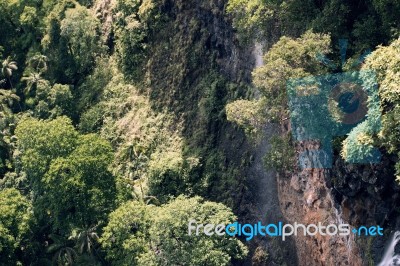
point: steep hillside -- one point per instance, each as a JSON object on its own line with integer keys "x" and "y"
{"x": 127, "y": 125}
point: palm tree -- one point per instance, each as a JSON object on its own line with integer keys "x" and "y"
{"x": 134, "y": 172}
{"x": 7, "y": 97}
{"x": 86, "y": 243}
{"x": 38, "y": 63}
{"x": 7, "y": 69}
{"x": 32, "y": 80}
{"x": 85, "y": 239}
{"x": 63, "y": 254}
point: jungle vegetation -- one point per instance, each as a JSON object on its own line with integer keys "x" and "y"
{"x": 109, "y": 128}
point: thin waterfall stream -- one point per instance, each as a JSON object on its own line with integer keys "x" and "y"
{"x": 389, "y": 257}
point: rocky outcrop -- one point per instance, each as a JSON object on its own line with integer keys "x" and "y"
{"x": 368, "y": 195}
{"x": 352, "y": 194}
{"x": 305, "y": 198}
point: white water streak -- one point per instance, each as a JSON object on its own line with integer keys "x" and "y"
{"x": 348, "y": 240}
{"x": 390, "y": 258}
{"x": 258, "y": 54}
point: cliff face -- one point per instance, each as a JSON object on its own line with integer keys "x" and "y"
{"x": 359, "y": 195}
{"x": 195, "y": 66}
{"x": 367, "y": 195}
{"x": 305, "y": 198}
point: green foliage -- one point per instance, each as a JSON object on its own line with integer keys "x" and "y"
{"x": 126, "y": 237}
{"x": 359, "y": 145}
{"x": 9, "y": 102}
{"x": 194, "y": 90}
{"x": 133, "y": 19}
{"x": 29, "y": 17}
{"x": 390, "y": 133}
{"x": 63, "y": 254}
{"x": 80, "y": 248}
{"x": 179, "y": 247}
{"x": 19, "y": 25}
{"x": 81, "y": 32}
{"x": 8, "y": 98}
{"x": 333, "y": 18}
{"x": 86, "y": 240}
{"x": 41, "y": 142}
{"x": 267, "y": 20}
{"x": 91, "y": 91}
{"x": 7, "y": 144}
{"x": 8, "y": 67}
{"x": 365, "y": 24}
{"x": 250, "y": 16}
{"x": 50, "y": 101}
{"x": 247, "y": 114}
{"x": 388, "y": 11}
{"x": 288, "y": 58}
{"x": 72, "y": 41}
{"x": 148, "y": 235}
{"x": 281, "y": 155}
{"x": 92, "y": 120}
{"x": 160, "y": 141}
{"x": 385, "y": 62}
{"x": 166, "y": 175}
{"x": 68, "y": 172}
{"x": 36, "y": 67}
{"x": 149, "y": 149}
{"x": 80, "y": 189}
{"x": 398, "y": 169}
{"x": 15, "y": 217}
{"x": 170, "y": 172}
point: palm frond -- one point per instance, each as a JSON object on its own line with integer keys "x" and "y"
{"x": 7, "y": 67}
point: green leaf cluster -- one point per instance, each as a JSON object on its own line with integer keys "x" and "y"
{"x": 150, "y": 235}
{"x": 15, "y": 224}
{"x": 69, "y": 173}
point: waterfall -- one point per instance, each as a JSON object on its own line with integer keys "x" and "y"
{"x": 258, "y": 54}
{"x": 259, "y": 62}
{"x": 389, "y": 258}
{"x": 348, "y": 240}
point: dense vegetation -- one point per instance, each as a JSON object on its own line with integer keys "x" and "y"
{"x": 91, "y": 171}
{"x": 110, "y": 119}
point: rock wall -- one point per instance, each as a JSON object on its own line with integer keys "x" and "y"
{"x": 353, "y": 194}
{"x": 305, "y": 198}
{"x": 368, "y": 195}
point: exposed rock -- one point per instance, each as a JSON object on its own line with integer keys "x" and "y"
{"x": 319, "y": 207}
{"x": 295, "y": 183}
